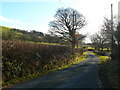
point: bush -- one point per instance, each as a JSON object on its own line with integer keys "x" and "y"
{"x": 21, "y": 59}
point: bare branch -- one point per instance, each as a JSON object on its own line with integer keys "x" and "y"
{"x": 67, "y": 22}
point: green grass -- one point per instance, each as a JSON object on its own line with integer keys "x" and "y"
{"x": 7, "y": 34}
{"x": 104, "y": 59}
{"x": 104, "y": 49}
{"x": 49, "y": 43}
{"x": 90, "y": 48}
{"x": 4, "y": 29}
{"x": 43, "y": 43}
{"x": 18, "y": 33}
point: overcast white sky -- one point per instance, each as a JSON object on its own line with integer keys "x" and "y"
{"x": 36, "y": 15}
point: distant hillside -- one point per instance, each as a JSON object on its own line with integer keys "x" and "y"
{"x": 17, "y": 34}
{"x": 34, "y": 36}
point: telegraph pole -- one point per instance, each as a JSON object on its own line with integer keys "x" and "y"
{"x": 112, "y": 40}
{"x": 118, "y": 27}
{"x": 119, "y": 12}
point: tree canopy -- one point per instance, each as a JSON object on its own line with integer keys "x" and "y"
{"x": 66, "y": 24}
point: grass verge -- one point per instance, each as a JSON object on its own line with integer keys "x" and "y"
{"x": 108, "y": 72}
{"x": 104, "y": 59}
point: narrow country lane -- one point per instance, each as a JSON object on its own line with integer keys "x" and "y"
{"x": 81, "y": 75}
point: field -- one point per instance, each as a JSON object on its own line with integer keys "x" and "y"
{"x": 17, "y": 34}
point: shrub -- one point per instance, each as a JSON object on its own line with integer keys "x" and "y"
{"x": 21, "y": 59}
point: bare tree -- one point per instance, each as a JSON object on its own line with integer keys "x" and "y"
{"x": 103, "y": 38}
{"x": 67, "y": 22}
{"x": 106, "y": 29}
{"x": 99, "y": 40}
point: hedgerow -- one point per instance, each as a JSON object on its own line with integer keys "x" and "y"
{"x": 21, "y": 59}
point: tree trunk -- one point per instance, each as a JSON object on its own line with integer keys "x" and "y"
{"x": 77, "y": 44}
{"x": 73, "y": 47}
{"x": 73, "y": 44}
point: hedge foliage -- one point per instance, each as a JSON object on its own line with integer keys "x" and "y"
{"x": 21, "y": 59}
